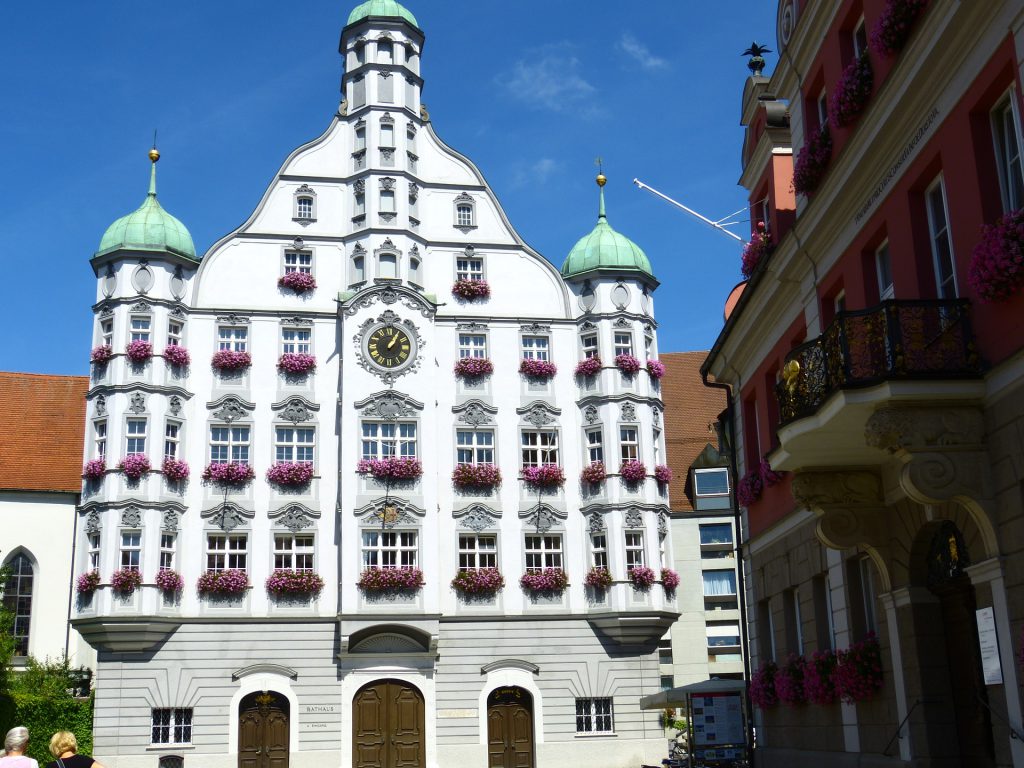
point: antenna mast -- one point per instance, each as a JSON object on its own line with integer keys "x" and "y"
{"x": 720, "y": 225}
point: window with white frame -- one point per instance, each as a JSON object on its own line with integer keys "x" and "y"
{"x": 296, "y": 341}
{"x": 467, "y": 268}
{"x": 599, "y": 550}
{"x": 543, "y": 552}
{"x": 719, "y": 583}
{"x": 135, "y": 436}
{"x": 656, "y": 444}
{"x": 304, "y": 207}
{"x": 623, "y": 343}
{"x": 383, "y": 439}
{"x": 860, "y": 39}
{"x": 634, "y": 550}
{"x": 131, "y": 550}
{"x": 172, "y": 439}
{"x": 942, "y": 246}
{"x": 464, "y": 214}
{"x": 389, "y": 549}
{"x": 99, "y": 438}
{"x": 293, "y": 552}
{"x": 294, "y": 444}
{"x": 539, "y": 446}
{"x": 229, "y": 444}
{"x": 227, "y": 552}
{"x": 93, "y": 554}
{"x": 716, "y": 533}
{"x": 589, "y": 343}
{"x": 723, "y": 636}
{"x": 629, "y": 443}
{"x": 141, "y": 327}
{"x": 385, "y": 52}
{"x": 474, "y": 446}
{"x": 298, "y": 261}
{"x": 595, "y": 445}
{"x": 883, "y": 271}
{"x": 477, "y": 551}
{"x": 536, "y": 348}
{"x": 172, "y": 726}
{"x": 233, "y": 338}
{"x": 107, "y": 332}
{"x": 1006, "y": 129}
{"x": 472, "y": 345}
{"x": 168, "y": 546}
{"x": 594, "y": 715}
{"x": 174, "y": 332}
{"x": 711, "y": 482}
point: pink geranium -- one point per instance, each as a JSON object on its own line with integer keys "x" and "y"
{"x": 228, "y": 473}
{"x": 769, "y": 476}
{"x": 589, "y": 367}
{"x": 169, "y": 581}
{"x": 750, "y": 488}
{"x": 663, "y": 474}
{"x": 853, "y": 90}
{"x": 300, "y": 282}
{"x": 642, "y": 576}
{"x": 633, "y": 471}
{"x": 87, "y": 583}
{"x": 544, "y": 476}
{"x": 138, "y": 351}
{"x": 762, "y": 686}
{"x": 473, "y": 367}
{"x": 177, "y": 355}
{"x": 125, "y": 581}
{"x": 669, "y": 579}
{"x": 288, "y": 582}
{"x": 997, "y": 261}
{"x": 102, "y": 354}
{"x": 819, "y": 673}
{"x": 656, "y": 369}
{"x": 476, "y": 476}
{"x": 537, "y": 369}
{"x": 471, "y": 289}
{"x": 94, "y": 469}
{"x": 598, "y": 578}
{"x": 134, "y": 465}
{"x": 229, "y": 360}
{"x": 296, "y": 363}
{"x": 544, "y": 580}
{"x": 756, "y": 250}
{"x": 375, "y": 579}
{"x": 858, "y": 673}
{"x": 231, "y": 582}
{"x": 812, "y": 162}
{"x": 594, "y": 472}
{"x": 628, "y": 364}
{"x": 175, "y": 470}
{"x": 478, "y": 581}
{"x": 789, "y": 681}
{"x": 893, "y": 27}
{"x": 391, "y": 468}
{"x": 291, "y": 474}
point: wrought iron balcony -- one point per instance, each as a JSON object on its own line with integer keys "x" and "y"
{"x": 896, "y": 340}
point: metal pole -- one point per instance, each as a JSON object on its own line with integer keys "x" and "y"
{"x": 705, "y": 219}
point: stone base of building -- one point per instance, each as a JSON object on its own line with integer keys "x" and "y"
{"x": 768, "y": 757}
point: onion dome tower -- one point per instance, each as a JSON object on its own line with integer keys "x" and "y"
{"x": 381, "y": 9}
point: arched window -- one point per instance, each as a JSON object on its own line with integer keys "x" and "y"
{"x": 305, "y": 204}
{"x": 18, "y": 600}
{"x": 465, "y": 213}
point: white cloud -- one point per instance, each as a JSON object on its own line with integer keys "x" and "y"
{"x": 536, "y": 173}
{"x": 549, "y": 79}
{"x": 640, "y": 53}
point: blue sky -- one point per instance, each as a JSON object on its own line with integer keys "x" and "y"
{"x": 531, "y": 90}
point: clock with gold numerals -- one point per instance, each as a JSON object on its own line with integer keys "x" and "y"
{"x": 389, "y": 347}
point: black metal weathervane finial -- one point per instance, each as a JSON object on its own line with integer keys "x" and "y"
{"x": 756, "y": 53}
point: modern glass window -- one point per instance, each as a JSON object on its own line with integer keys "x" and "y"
{"x": 543, "y": 552}
{"x": 719, "y": 583}
{"x": 229, "y": 444}
{"x": 131, "y": 549}
{"x": 298, "y": 261}
{"x": 883, "y": 270}
{"x": 589, "y": 343}
{"x": 294, "y": 444}
{"x": 293, "y": 552}
{"x": 469, "y": 269}
{"x": 168, "y": 542}
{"x": 383, "y": 439}
{"x": 464, "y": 215}
{"x": 135, "y": 437}
{"x": 634, "y": 550}
{"x": 296, "y": 340}
{"x": 595, "y": 445}
{"x": 629, "y": 443}
{"x": 226, "y": 552}
{"x": 539, "y": 446}
{"x": 141, "y": 327}
{"x": 594, "y": 715}
{"x": 599, "y": 550}
{"x": 304, "y": 208}
{"x": 93, "y": 554}
{"x": 474, "y": 446}
{"x": 711, "y": 482}
{"x": 172, "y": 726}
{"x": 389, "y": 549}
{"x": 723, "y": 635}
{"x": 536, "y": 347}
{"x": 107, "y": 332}
{"x": 174, "y": 330}
{"x": 233, "y": 338}
{"x": 477, "y": 551}
{"x": 716, "y": 533}
{"x": 99, "y": 437}
{"x": 472, "y": 345}
{"x": 1006, "y": 128}
{"x": 623, "y": 343}
{"x": 17, "y": 599}
{"x": 942, "y": 246}
{"x": 172, "y": 439}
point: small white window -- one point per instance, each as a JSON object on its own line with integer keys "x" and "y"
{"x": 942, "y": 246}
{"x": 594, "y": 715}
{"x": 536, "y": 348}
{"x": 389, "y": 549}
{"x": 172, "y": 439}
{"x": 477, "y": 551}
{"x": 472, "y": 345}
{"x": 387, "y": 135}
{"x": 99, "y": 432}
{"x": 595, "y": 445}
{"x": 387, "y": 266}
{"x": 131, "y": 550}
{"x": 387, "y": 201}
{"x": 589, "y": 343}
{"x": 107, "y": 332}
{"x": 860, "y": 39}
{"x": 141, "y": 326}
{"x": 229, "y": 444}
{"x": 623, "y": 343}
{"x": 297, "y": 341}
{"x": 298, "y": 261}
{"x": 539, "y": 447}
{"x": 233, "y": 338}
{"x": 304, "y": 208}
{"x": 94, "y": 551}
{"x": 1006, "y": 128}
{"x": 629, "y": 444}
{"x": 135, "y": 438}
{"x": 172, "y": 726}
{"x": 469, "y": 268}
{"x": 168, "y": 542}
{"x": 634, "y": 550}
{"x": 464, "y": 215}
{"x": 883, "y": 270}
{"x": 294, "y": 444}
{"x": 599, "y": 550}
{"x": 543, "y": 552}
{"x": 293, "y": 552}
{"x": 227, "y": 552}
{"x": 711, "y": 482}
{"x": 174, "y": 330}
{"x": 475, "y": 446}
{"x": 380, "y": 440}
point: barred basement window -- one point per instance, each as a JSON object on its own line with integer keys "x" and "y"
{"x": 172, "y": 726}
{"x": 594, "y": 715}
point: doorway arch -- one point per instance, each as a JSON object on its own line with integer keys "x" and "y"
{"x": 388, "y": 726}
{"x": 263, "y": 730}
{"x": 510, "y": 737}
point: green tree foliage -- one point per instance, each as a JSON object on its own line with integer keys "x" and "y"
{"x": 7, "y": 643}
{"x": 44, "y": 715}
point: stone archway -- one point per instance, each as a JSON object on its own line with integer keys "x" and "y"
{"x": 510, "y": 738}
{"x": 388, "y": 726}
{"x": 263, "y": 730}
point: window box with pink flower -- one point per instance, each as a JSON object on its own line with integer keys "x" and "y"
{"x": 228, "y": 583}
{"x": 598, "y": 578}
{"x": 391, "y": 468}
{"x": 169, "y": 581}
{"x": 789, "y": 681}
{"x": 544, "y": 580}
{"x": 229, "y": 361}
{"x": 138, "y": 351}
{"x": 544, "y": 476}
{"x": 228, "y": 473}
{"x": 288, "y": 583}
{"x": 756, "y": 251}
{"x": 101, "y": 355}
{"x": 296, "y": 363}
{"x": 996, "y": 272}
{"x": 478, "y": 582}
{"x": 852, "y": 92}
{"x": 538, "y": 369}
{"x": 591, "y": 366}
{"x": 125, "y": 581}
{"x": 473, "y": 367}
{"x": 177, "y": 356}
{"x": 290, "y": 474}
{"x": 663, "y": 474}
{"x": 94, "y": 469}
{"x": 469, "y": 290}
{"x": 628, "y": 364}
{"x": 655, "y": 369}
{"x": 858, "y": 672}
{"x": 594, "y": 472}
{"x": 633, "y": 471}
{"x": 812, "y": 162}
{"x": 175, "y": 470}
{"x": 134, "y": 466}
{"x": 376, "y": 580}
{"x": 669, "y": 579}
{"x": 819, "y": 674}
{"x": 300, "y": 282}
{"x": 894, "y": 25}
{"x": 762, "y": 686}
{"x": 476, "y": 476}
{"x": 88, "y": 582}
{"x": 642, "y": 577}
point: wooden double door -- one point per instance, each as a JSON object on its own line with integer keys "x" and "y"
{"x": 263, "y": 731}
{"x": 509, "y": 728}
{"x": 388, "y": 726}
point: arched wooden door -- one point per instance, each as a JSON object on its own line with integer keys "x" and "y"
{"x": 388, "y": 726}
{"x": 510, "y": 728}
{"x": 263, "y": 731}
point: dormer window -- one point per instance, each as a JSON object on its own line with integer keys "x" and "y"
{"x": 465, "y": 211}
{"x": 711, "y": 488}
{"x": 305, "y": 204}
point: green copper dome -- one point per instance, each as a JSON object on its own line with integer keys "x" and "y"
{"x": 150, "y": 228}
{"x": 381, "y": 8}
{"x": 604, "y": 248}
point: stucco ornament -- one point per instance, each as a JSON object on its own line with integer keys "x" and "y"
{"x": 535, "y": 328}
{"x": 849, "y": 506}
{"x": 475, "y": 413}
{"x": 542, "y": 517}
{"x": 231, "y": 409}
{"x": 296, "y": 410}
{"x": 595, "y": 523}
{"x": 174, "y": 405}
{"x": 131, "y": 517}
{"x": 634, "y": 518}
{"x": 142, "y": 278}
{"x": 389, "y": 294}
{"x": 590, "y": 414}
{"x": 169, "y": 521}
{"x": 137, "y": 403}
{"x": 662, "y": 524}
{"x": 389, "y": 406}
{"x": 101, "y": 406}
{"x": 228, "y": 516}
{"x": 478, "y": 517}
{"x": 295, "y": 517}
{"x": 628, "y": 412}
{"x": 539, "y": 413}
{"x": 93, "y": 522}
{"x": 388, "y": 512}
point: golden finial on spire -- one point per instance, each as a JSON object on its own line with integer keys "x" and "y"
{"x": 601, "y": 178}
{"x": 154, "y": 154}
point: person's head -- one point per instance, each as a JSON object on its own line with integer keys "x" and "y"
{"x": 16, "y": 739}
{"x": 61, "y": 742}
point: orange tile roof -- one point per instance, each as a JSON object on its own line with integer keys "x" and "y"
{"x": 42, "y": 424}
{"x": 691, "y": 411}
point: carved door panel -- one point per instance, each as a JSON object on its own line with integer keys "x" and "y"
{"x": 406, "y": 725}
{"x": 275, "y": 739}
{"x": 522, "y": 737}
{"x": 369, "y": 723}
{"x": 509, "y": 729}
{"x": 497, "y": 739}
{"x": 250, "y": 733}
{"x": 263, "y": 731}
{"x": 388, "y": 727}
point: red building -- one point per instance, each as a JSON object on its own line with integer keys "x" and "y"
{"x": 875, "y": 358}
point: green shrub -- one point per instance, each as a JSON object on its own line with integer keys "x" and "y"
{"x": 45, "y": 715}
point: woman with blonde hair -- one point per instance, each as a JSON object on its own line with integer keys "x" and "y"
{"x": 64, "y": 746}
{"x": 14, "y": 746}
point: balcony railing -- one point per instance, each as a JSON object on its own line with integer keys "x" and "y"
{"x": 896, "y": 340}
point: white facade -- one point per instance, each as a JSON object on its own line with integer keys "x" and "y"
{"x": 385, "y": 213}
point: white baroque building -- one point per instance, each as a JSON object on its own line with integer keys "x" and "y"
{"x": 385, "y": 218}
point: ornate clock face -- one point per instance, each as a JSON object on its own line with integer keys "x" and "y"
{"x": 390, "y": 347}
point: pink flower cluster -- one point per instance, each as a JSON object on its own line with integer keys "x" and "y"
{"x": 94, "y": 469}
{"x": 633, "y": 471}
{"x": 755, "y": 251}
{"x": 819, "y": 673}
{"x": 853, "y": 90}
{"x": 642, "y": 577}
{"x": 125, "y": 581}
{"x": 177, "y": 355}
{"x": 391, "y": 468}
{"x": 175, "y": 470}
{"x": 669, "y": 579}
{"x": 478, "y": 581}
{"x": 231, "y": 473}
{"x": 762, "y": 686}
{"x": 656, "y": 369}
{"x": 296, "y": 363}
{"x": 232, "y": 582}
{"x": 476, "y": 476}
{"x": 102, "y": 354}
{"x": 286, "y": 582}
{"x": 812, "y": 162}
{"x": 997, "y": 261}
{"x": 229, "y": 360}
{"x": 893, "y": 27}
{"x": 290, "y": 474}
{"x": 300, "y": 282}
{"x": 589, "y": 367}
{"x": 598, "y": 578}
{"x": 663, "y": 474}
{"x": 594, "y": 472}
{"x": 471, "y": 289}
{"x": 627, "y": 364}
{"x": 87, "y": 582}
{"x": 538, "y": 369}
{"x": 138, "y": 351}
{"x": 545, "y": 580}
{"x": 390, "y": 579}
{"x": 134, "y": 465}
{"x": 169, "y": 581}
{"x": 789, "y": 681}
{"x": 472, "y": 367}
{"x": 544, "y": 476}
{"x": 752, "y": 485}
{"x": 858, "y": 672}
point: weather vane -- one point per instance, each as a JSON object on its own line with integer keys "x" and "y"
{"x": 756, "y": 53}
